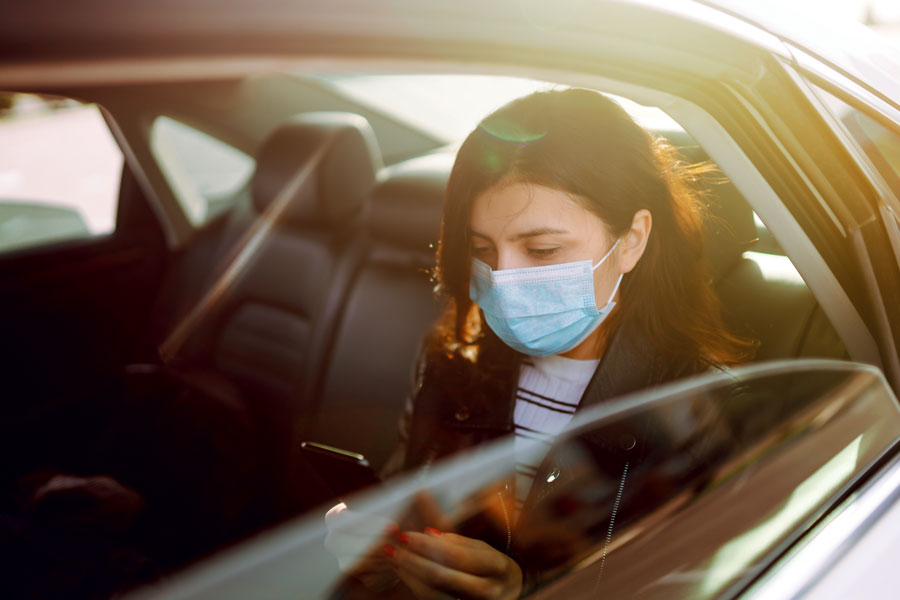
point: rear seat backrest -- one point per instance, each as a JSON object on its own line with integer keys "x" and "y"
{"x": 390, "y": 308}
{"x": 281, "y": 314}
{"x": 271, "y": 332}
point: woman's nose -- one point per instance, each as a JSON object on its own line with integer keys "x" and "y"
{"x": 503, "y": 260}
{"x": 508, "y": 260}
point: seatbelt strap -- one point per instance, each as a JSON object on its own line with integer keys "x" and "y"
{"x": 244, "y": 251}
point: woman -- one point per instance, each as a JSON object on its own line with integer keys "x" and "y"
{"x": 571, "y": 252}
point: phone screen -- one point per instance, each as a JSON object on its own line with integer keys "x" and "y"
{"x": 344, "y": 471}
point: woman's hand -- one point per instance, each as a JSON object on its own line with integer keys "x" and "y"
{"x": 437, "y": 565}
{"x": 355, "y": 540}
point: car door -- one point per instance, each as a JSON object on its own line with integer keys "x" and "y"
{"x": 81, "y": 254}
{"x": 702, "y": 485}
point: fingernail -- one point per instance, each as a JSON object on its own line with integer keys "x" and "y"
{"x": 403, "y": 538}
{"x": 389, "y": 550}
{"x": 391, "y": 529}
{"x": 432, "y": 531}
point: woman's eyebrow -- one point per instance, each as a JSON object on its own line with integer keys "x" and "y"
{"x": 536, "y": 232}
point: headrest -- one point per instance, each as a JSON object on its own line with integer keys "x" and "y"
{"x": 340, "y": 183}
{"x": 730, "y": 228}
{"x": 407, "y": 202}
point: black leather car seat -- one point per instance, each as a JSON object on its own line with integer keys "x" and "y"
{"x": 281, "y": 314}
{"x": 269, "y": 333}
{"x": 388, "y": 311}
{"x": 763, "y": 296}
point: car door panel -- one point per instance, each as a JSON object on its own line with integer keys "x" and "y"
{"x": 72, "y": 313}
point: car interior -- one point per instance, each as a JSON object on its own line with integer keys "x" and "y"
{"x": 293, "y": 312}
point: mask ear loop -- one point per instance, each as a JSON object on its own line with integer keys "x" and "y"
{"x": 605, "y": 256}
{"x": 615, "y": 289}
{"x": 621, "y": 275}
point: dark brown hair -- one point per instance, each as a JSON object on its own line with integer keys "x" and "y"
{"x": 585, "y": 144}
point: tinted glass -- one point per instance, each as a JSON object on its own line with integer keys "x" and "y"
{"x": 450, "y": 106}
{"x": 686, "y": 491}
{"x": 711, "y": 485}
{"x": 60, "y": 170}
{"x": 204, "y": 172}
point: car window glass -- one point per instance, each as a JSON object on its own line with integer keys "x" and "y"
{"x": 714, "y": 482}
{"x": 686, "y": 491}
{"x": 60, "y": 171}
{"x": 205, "y": 174}
{"x": 449, "y": 106}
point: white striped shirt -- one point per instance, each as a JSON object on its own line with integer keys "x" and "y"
{"x": 548, "y": 393}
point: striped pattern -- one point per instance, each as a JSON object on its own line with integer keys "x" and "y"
{"x": 548, "y": 394}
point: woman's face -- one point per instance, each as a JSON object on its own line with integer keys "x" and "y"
{"x": 526, "y": 225}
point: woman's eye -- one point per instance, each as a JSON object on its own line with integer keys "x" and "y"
{"x": 542, "y": 252}
{"x": 481, "y": 250}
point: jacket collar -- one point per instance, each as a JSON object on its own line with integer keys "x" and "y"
{"x": 628, "y": 365}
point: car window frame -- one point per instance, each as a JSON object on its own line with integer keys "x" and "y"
{"x": 736, "y": 153}
{"x": 877, "y": 277}
{"x": 827, "y": 543}
{"x": 731, "y": 156}
{"x": 858, "y": 99}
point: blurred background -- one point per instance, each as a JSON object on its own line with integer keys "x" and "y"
{"x": 883, "y": 16}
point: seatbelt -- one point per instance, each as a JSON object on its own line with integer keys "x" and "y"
{"x": 242, "y": 254}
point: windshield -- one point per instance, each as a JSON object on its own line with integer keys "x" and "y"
{"x": 686, "y": 491}
{"x": 448, "y": 107}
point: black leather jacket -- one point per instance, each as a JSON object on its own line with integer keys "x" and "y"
{"x": 435, "y": 425}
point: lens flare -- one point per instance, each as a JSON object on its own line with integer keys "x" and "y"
{"x": 509, "y": 132}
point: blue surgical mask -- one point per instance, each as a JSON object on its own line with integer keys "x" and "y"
{"x": 541, "y": 311}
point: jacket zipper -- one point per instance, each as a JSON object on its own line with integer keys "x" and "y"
{"x": 506, "y": 519}
{"x": 612, "y": 521}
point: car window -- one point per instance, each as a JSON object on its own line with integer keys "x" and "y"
{"x": 449, "y": 106}
{"x": 205, "y": 174}
{"x": 60, "y": 171}
{"x": 686, "y": 491}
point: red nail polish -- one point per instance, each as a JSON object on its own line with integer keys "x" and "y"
{"x": 403, "y": 538}
{"x": 432, "y": 531}
{"x": 389, "y": 550}
{"x": 391, "y": 529}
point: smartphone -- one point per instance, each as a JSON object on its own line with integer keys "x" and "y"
{"x": 344, "y": 471}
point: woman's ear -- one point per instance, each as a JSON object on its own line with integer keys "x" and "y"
{"x": 635, "y": 240}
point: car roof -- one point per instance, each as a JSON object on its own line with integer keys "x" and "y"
{"x": 500, "y": 31}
